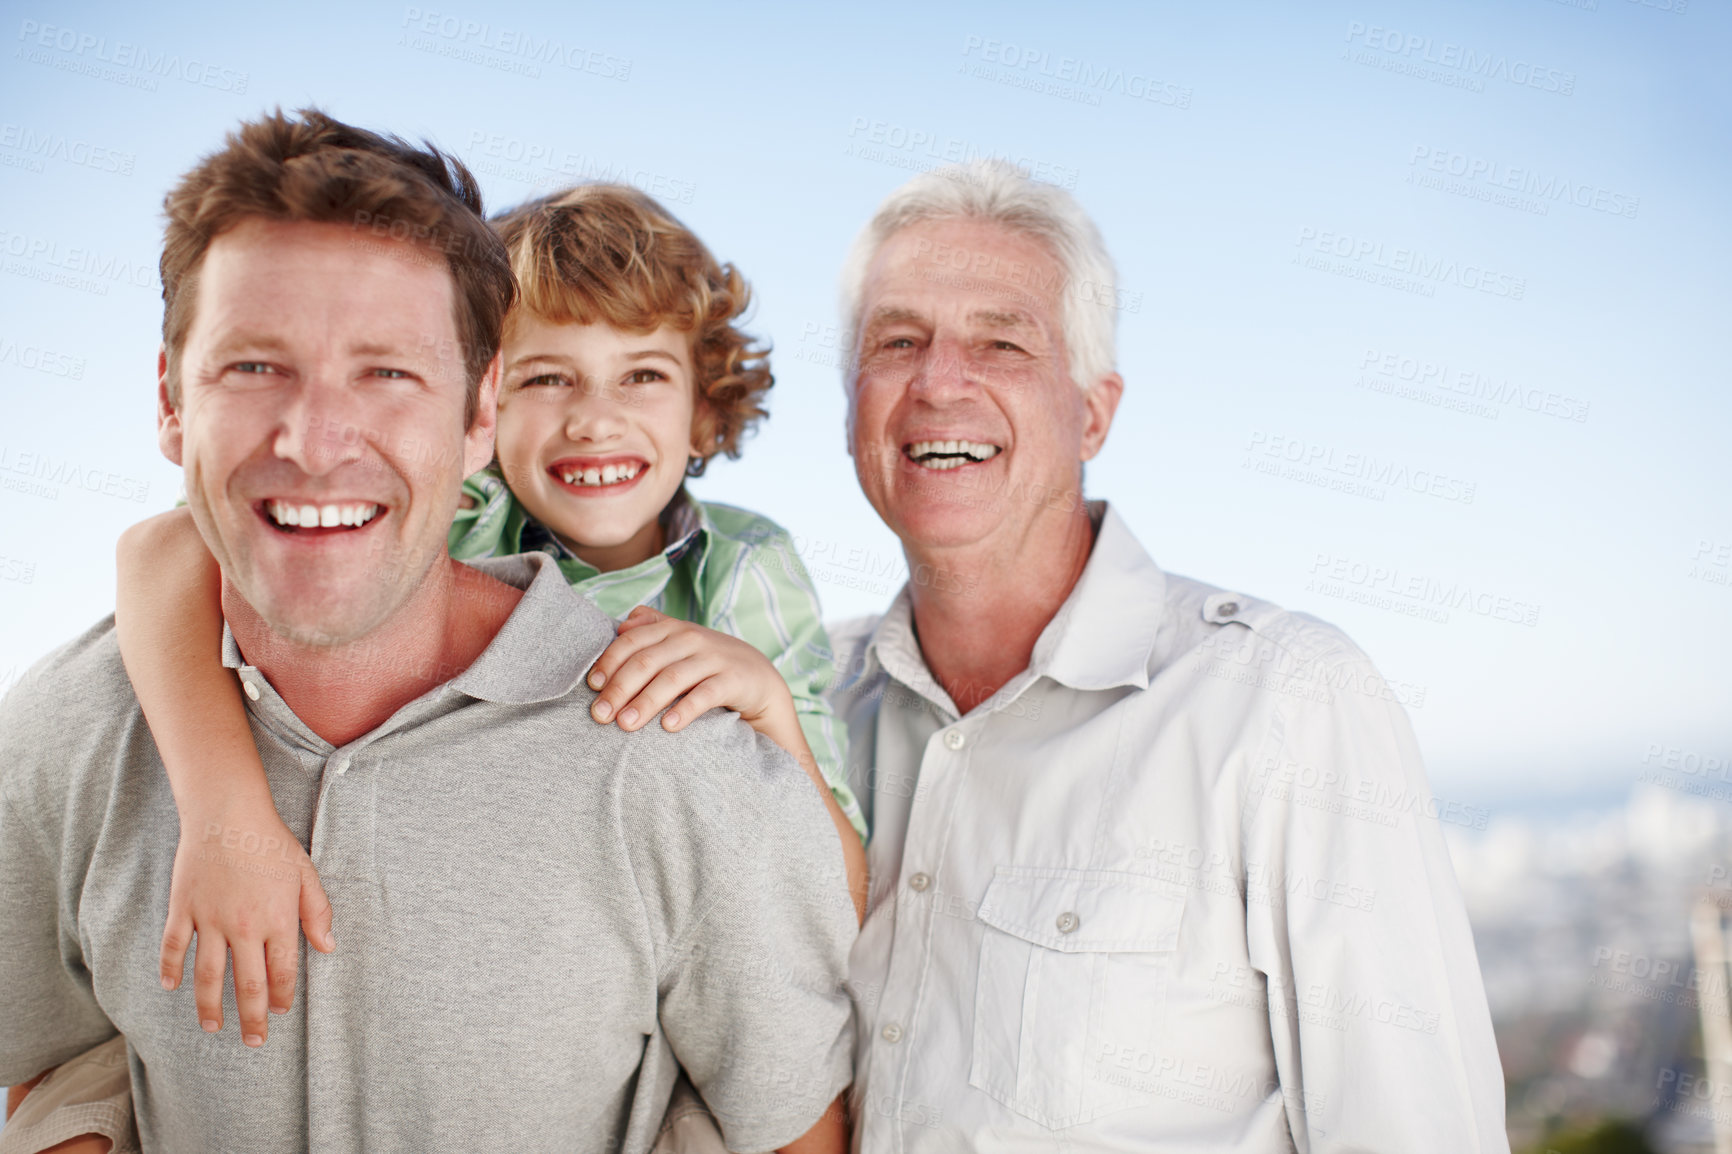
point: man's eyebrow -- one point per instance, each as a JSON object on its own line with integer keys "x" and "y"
{"x": 250, "y": 342}
{"x": 891, "y": 315}
{"x": 997, "y": 319}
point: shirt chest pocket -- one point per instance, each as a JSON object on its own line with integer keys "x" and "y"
{"x": 1073, "y": 970}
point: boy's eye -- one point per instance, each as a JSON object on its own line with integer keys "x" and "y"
{"x": 645, "y": 377}
{"x": 545, "y": 379}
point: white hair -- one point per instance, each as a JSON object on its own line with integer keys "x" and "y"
{"x": 996, "y": 192}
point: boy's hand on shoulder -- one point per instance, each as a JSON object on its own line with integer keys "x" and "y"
{"x": 244, "y": 885}
{"x": 659, "y": 662}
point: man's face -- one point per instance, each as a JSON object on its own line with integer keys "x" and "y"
{"x": 963, "y": 419}
{"x": 320, "y": 422}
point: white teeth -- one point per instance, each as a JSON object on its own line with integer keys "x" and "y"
{"x": 316, "y": 516}
{"x": 604, "y": 475}
{"x": 950, "y": 454}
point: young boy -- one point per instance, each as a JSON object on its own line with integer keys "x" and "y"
{"x": 622, "y": 375}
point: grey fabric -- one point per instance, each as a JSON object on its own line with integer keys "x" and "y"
{"x": 538, "y": 918}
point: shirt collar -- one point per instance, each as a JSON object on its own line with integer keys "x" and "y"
{"x": 541, "y": 652}
{"x": 1100, "y": 638}
{"x": 686, "y": 527}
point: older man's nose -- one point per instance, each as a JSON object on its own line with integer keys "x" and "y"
{"x": 322, "y": 427}
{"x": 943, "y": 372}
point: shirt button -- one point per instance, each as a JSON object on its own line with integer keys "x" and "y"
{"x": 1068, "y": 922}
{"x": 955, "y": 739}
{"x": 1227, "y": 609}
{"x": 892, "y": 1033}
{"x": 343, "y": 766}
{"x": 251, "y": 690}
{"x": 919, "y": 882}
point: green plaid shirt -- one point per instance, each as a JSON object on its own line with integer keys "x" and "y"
{"x": 724, "y": 568}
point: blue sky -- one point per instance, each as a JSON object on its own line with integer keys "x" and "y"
{"x": 1423, "y": 308}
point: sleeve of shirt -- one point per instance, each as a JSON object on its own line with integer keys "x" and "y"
{"x": 1378, "y": 1015}
{"x": 49, "y": 1011}
{"x": 742, "y": 877}
{"x": 771, "y": 604}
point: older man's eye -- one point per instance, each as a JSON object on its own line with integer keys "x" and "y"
{"x": 899, "y": 343}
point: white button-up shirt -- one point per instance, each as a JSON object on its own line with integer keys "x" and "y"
{"x": 1179, "y": 885}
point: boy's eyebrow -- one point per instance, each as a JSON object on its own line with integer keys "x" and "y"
{"x": 645, "y": 354}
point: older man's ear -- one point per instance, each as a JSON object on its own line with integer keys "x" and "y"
{"x": 168, "y": 430}
{"x": 1101, "y": 402}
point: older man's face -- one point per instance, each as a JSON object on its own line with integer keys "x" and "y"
{"x": 963, "y": 419}
{"x": 321, "y": 422}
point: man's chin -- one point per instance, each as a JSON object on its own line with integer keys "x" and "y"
{"x": 319, "y": 617}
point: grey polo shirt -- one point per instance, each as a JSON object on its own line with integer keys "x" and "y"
{"x": 537, "y": 916}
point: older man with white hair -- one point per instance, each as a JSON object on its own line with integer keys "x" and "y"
{"x": 1155, "y": 864}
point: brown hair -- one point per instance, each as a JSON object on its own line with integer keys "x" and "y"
{"x": 608, "y": 253}
{"x": 311, "y": 167}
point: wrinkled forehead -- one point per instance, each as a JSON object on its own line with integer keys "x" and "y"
{"x": 982, "y": 271}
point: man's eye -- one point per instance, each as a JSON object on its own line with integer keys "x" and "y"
{"x": 251, "y": 367}
{"x": 391, "y": 374}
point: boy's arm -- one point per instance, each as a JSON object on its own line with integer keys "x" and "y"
{"x": 168, "y": 619}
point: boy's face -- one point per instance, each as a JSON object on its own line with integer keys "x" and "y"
{"x": 595, "y": 429}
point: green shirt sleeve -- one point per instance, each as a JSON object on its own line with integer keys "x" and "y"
{"x": 767, "y": 599}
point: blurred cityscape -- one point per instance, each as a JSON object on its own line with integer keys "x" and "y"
{"x": 1583, "y": 926}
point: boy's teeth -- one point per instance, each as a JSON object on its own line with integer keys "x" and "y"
{"x": 321, "y": 516}
{"x": 604, "y": 475}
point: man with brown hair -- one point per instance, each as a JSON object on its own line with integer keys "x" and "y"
{"x": 543, "y": 919}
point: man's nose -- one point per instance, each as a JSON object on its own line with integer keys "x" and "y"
{"x": 943, "y": 373}
{"x": 323, "y": 427}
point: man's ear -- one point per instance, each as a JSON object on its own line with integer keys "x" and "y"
{"x": 1100, "y": 402}
{"x": 478, "y": 440}
{"x": 168, "y": 426}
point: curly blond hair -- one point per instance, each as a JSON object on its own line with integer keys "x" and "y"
{"x": 609, "y": 253}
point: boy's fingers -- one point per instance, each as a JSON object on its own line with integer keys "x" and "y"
{"x": 628, "y": 679}
{"x": 315, "y": 911}
{"x": 281, "y": 962}
{"x": 703, "y": 697}
{"x": 642, "y": 615}
{"x": 621, "y": 649}
{"x": 210, "y": 960}
{"x": 176, "y": 937}
{"x": 666, "y": 685}
{"x": 252, "y": 990}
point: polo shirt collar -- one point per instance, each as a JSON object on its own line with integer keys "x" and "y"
{"x": 1102, "y": 637}
{"x": 541, "y": 652}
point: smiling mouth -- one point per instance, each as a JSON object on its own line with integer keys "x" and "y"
{"x": 941, "y": 455}
{"x": 592, "y": 477}
{"x": 301, "y": 517}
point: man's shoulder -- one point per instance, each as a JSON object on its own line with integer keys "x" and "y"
{"x": 1198, "y": 613}
{"x": 65, "y": 714}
